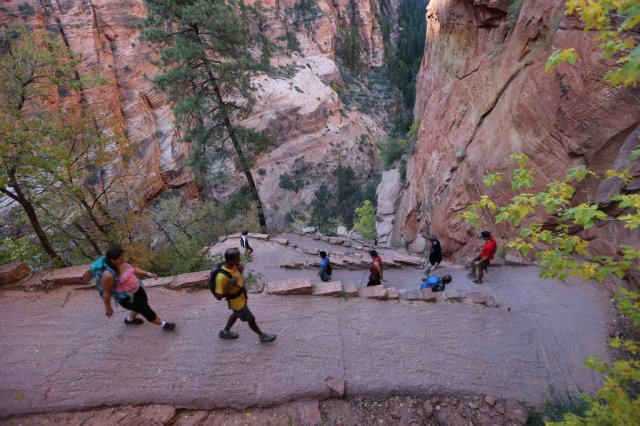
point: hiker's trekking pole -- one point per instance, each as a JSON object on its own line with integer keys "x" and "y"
{"x": 362, "y": 280}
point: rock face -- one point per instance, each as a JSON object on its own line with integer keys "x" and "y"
{"x": 307, "y": 119}
{"x": 387, "y": 193}
{"x": 483, "y": 94}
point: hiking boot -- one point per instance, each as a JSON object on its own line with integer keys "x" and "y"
{"x": 228, "y": 334}
{"x": 169, "y": 326}
{"x": 266, "y": 338}
{"x": 135, "y": 321}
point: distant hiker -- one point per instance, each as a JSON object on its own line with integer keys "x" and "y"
{"x": 435, "y": 255}
{"x": 482, "y": 261}
{"x": 230, "y": 285}
{"x": 118, "y": 279}
{"x": 436, "y": 283}
{"x": 325, "y": 267}
{"x": 375, "y": 269}
{"x": 244, "y": 242}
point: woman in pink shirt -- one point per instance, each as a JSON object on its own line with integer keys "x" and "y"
{"x": 126, "y": 281}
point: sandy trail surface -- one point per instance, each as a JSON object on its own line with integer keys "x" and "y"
{"x": 58, "y": 351}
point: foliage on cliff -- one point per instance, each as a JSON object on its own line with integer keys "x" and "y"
{"x": 561, "y": 253}
{"x": 616, "y": 24}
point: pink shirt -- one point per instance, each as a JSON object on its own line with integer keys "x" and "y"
{"x": 127, "y": 282}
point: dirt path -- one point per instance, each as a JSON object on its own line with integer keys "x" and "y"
{"x": 58, "y": 351}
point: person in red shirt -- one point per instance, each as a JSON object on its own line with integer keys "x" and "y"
{"x": 482, "y": 261}
{"x": 375, "y": 269}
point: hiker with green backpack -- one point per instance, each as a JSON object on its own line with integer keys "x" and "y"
{"x": 226, "y": 282}
{"x": 117, "y": 279}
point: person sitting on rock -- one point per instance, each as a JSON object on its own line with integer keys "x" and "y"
{"x": 325, "y": 267}
{"x": 435, "y": 255}
{"x": 375, "y": 269}
{"x": 436, "y": 283}
{"x": 483, "y": 260}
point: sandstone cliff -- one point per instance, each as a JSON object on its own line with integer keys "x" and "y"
{"x": 482, "y": 94}
{"x": 301, "y": 112}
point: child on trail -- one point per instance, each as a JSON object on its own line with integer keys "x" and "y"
{"x": 375, "y": 269}
{"x": 325, "y": 267}
{"x": 230, "y": 285}
{"x": 436, "y": 283}
{"x": 244, "y": 242}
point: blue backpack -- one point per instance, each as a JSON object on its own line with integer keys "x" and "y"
{"x": 96, "y": 269}
{"x": 433, "y": 282}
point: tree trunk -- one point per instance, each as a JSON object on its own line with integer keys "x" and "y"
{"x": 244, "y": 165}
{"x": 33, "y": 219}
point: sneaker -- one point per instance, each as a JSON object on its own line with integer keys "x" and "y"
{"x": 136, "y": 321}
{"x": 266, "y": 338}
{"x": 477, "y": 282}
{"x": 228, "y": 334}
{"x": 169, "y": 326}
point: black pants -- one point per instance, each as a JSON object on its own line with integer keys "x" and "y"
{"x": 139, "y": 305}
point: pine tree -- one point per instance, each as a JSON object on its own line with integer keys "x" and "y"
{"x": 207, "y": 65}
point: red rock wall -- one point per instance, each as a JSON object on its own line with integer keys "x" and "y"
{"x": 105, "y": 33}
{"x": 482, "y": 94}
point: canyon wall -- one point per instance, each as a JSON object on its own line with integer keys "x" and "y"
{"x": 483, "y": 94}
{"x": 312, "y": 128}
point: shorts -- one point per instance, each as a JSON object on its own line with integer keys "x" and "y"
{"x": 243, "y": 314}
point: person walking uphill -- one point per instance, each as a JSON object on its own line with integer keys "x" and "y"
{"x": 118, "y": 279}
{"x": 483, "y": 260}
{"x": 375, "y": 269}
{"x": 244, "y": 242}
{"x": 230, "y": 285}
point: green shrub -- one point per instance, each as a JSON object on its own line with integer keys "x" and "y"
{"x": 287, "y": 183}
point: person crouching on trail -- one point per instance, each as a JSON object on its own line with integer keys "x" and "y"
{"x": 482, "y": 261}
{"x": 375, "y": 269}
{"x": 436, "y": 283}
{"x": 232, "y": 288}
{"x": 118, "y": 279}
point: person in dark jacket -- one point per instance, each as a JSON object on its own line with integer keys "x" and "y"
{"x": 435, "y": 255}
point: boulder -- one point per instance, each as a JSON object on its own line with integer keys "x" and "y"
{"x": 325, "y": 238}
{"x": 292, "y": 264}
{"x": 192, "y": 279}
{"x": 514, "y": 411}
{"x": 377, "y": 292}
{"x": 315, "y": 237}
{"x": 346, "y": 244}
{"x": 410, "y": 294}
{"x": 407, "y": 260}
{"x": 332, "y": 240}
{"x": 451, "y": 296}
{"x": 339, "y": 242}
{"x": 515, "y": 260}
{"x": 158, "y": 282}
{"x": 392, "y": 293}
{"x": 349, "y": 290}
{"x": 312, "y": 251}
{"x": 342, "y": 230}
{"x": 336, "y": 386}
{"x": 477, "y": 297}
{"x": 255, "y": 288}
{"x": 13, "y": 272}
{"x": 74, "y": 275}
{"x": 295, "y": 286}
{"x": 332, "y": 288}
{"x": 281, "y": 241}
{"x": 490, "y": 302}
{"x": 308, "y": 230}
{"x": 428, "y": 295}
{"x": 490, "y": 400}
{"x": 264, "y": 237}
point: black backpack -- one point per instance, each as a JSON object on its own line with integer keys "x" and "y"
{"x": 329, "y": 270}
{"x": 243, "y": 241}
{"x": 212, "y": 283}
